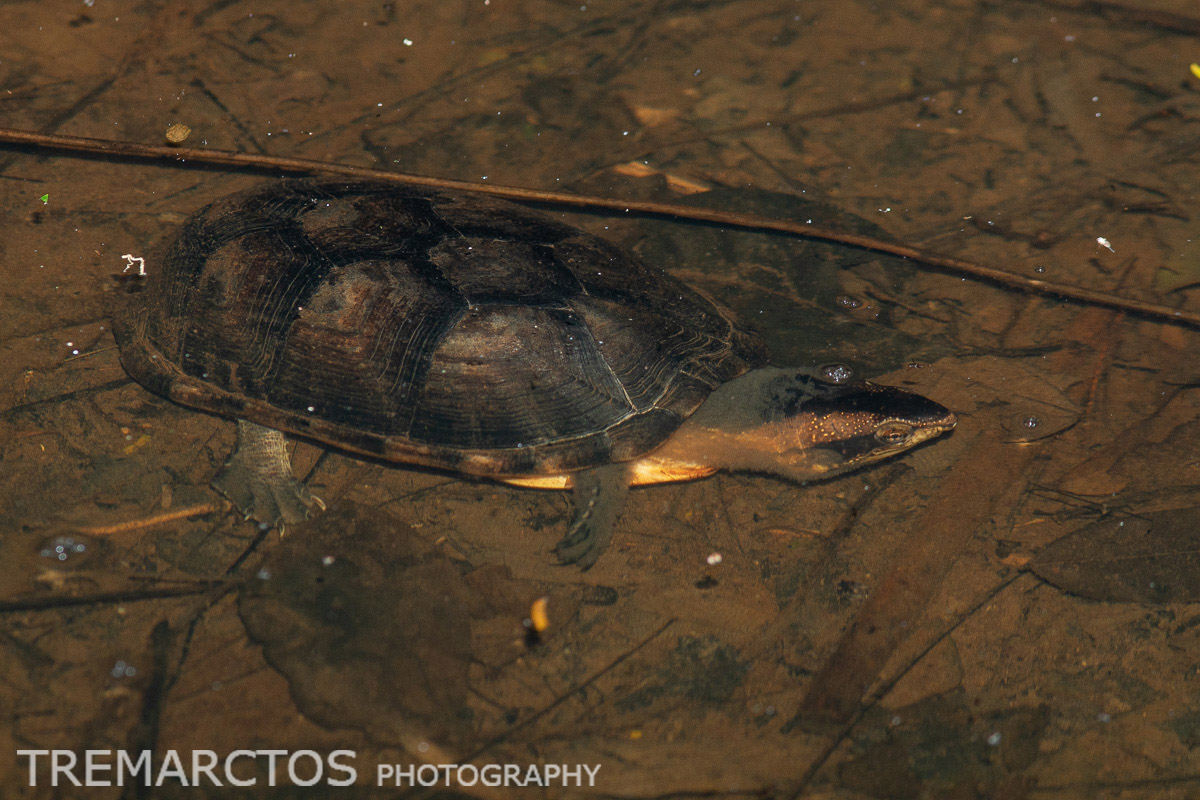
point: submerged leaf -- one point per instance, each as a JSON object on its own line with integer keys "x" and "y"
{"x": 371, "y": 633}
{"x": 1153, "y": 558}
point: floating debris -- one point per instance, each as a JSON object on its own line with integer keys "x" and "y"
{"x": 177, "y": 133}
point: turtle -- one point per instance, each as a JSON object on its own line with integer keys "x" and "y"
{"x": 468, "y": 334}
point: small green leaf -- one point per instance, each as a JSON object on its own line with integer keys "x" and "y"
{"x": 45, "y": 199}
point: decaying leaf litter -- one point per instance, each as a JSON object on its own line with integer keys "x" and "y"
{"x": 878, "y": 635}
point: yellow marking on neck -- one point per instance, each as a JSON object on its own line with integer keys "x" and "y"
{"x": 647, "y": 471}
{"x": 663, "y": 470}
{"x": 540, "y": 482}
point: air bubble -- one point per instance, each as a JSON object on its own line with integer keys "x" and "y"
{"x": 847, "y": 301}
{"x": 123, "y": 670}
{"x": 837, "y": 373}
{"x": 62, "y": 548}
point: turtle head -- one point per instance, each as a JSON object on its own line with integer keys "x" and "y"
{"x": 823, "y": 429}
{"x": 803, "y": 428}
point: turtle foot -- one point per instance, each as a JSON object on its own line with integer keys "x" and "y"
{"x": 276, "y": 500}
{"x": 599, "y": 495}
{"x": 580, "y": 547}
{"x": 258, "y": 479}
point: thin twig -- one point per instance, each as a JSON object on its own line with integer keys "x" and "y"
{"x": 881, "y": 691}
{"x": 121, "y": 149}
{"x": 147, "y": 522}
{"x": 562, "y": 698}
{"x": 1129, "y": 15}
{"x": 43, "y": 603}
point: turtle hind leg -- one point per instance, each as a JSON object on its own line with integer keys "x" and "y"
{"x": 599, "y": 495}
{"x": 258, "y": 479}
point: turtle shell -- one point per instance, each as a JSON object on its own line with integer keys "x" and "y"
{"x": 426, "y": 327}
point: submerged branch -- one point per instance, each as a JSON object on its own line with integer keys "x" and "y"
{"x": 957, "y": 266}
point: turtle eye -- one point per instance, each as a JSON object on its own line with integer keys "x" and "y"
{"x": 893, "y": 432}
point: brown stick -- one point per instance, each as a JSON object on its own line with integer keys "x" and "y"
{"x": 158, "y": 519}
{"x": 1079, "y": 294}
{"x": 1130, "y": 15}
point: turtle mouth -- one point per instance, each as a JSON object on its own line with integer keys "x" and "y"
{"x": 935, "y": 427}
{"x": 868, "y": 440}
{"x": 919, "y": 435}
{"x": 936, "y": 421}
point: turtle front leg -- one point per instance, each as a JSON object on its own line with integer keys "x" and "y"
{"x": 258, "y": 479}
{"x": 599, "y": 495}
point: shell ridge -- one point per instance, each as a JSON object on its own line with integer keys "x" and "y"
{"x": 406, "y": 411}
{"x": 313, "y": 268}
{"x": 633, "y": 409}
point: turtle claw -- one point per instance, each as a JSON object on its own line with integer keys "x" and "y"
{"x": 258, "y": 480}
{"x": 275, "y": 500}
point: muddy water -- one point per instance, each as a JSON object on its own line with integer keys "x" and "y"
{"x": 1008, "y": 612}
